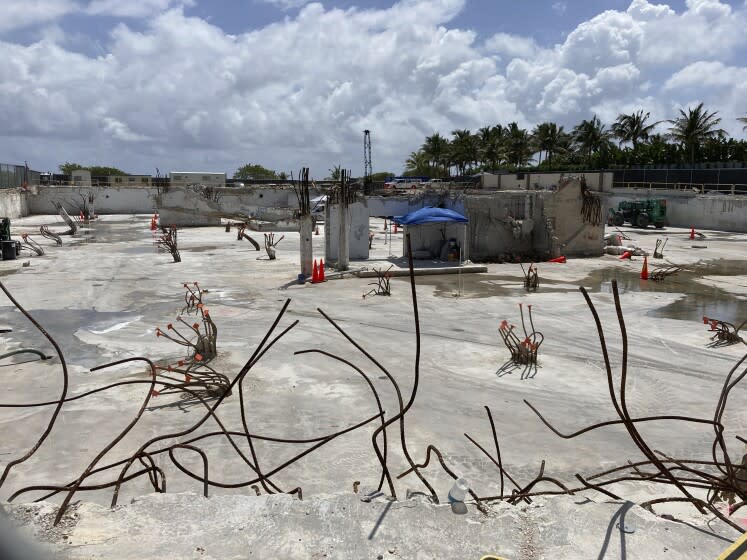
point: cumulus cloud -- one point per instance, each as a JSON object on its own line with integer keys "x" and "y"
{"x": 178, "y": 91}
{"x": 16, "y": 14}
{"x": 287, "y": 4}
{"x": 132, "y": 8}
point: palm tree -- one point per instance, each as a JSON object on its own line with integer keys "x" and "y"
{"x": 691, "y": 129}
{"x": 633, "y": 128}
{"x": 462, "y": 149}
{"x": 436, "y": 148}
{"x": 518, "y": 145}
{"x": 492, "y": 149}
{"x": 590, "y": 137}
{"x": 418, "y": 163}
{"x": 549, "y": 138}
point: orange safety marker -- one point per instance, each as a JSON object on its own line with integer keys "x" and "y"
{"x": 644, "y": 270}
{"x": 315, "y": 274}
{"x": 321, "y": 270}
{"x": 560, "y": 260}
{"x": 626, "y": 255}
{"x": 692, "y": 233}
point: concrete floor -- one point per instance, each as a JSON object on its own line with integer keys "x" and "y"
{"x": 105, "y": 291}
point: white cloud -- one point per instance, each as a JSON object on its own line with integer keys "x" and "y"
{"x": 560, "y": 7}
{"x": 287, "y": 4}
{"x": 132, "y": 8}
{"x": 180, "y": 92}
{"x": 16, "y": 14}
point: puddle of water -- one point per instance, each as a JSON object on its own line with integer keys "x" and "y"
{"x": 697, "y": 299}
{"x": 475, "y": 286}
{"x": 62, "y": 324}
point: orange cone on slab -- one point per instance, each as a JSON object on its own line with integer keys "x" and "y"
{"x": 626, "y": 255}
{"x": 321, "y": 270}
{"x": 560, "y": 260}
{"x": 315, "y": 274}
{"x": 692, "y": 233}
{"x": 644, "y": 270}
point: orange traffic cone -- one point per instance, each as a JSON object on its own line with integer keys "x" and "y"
{"x": 321, "y": 270}
{"x": 644, "y": 270}
{"x": 315, "y": 274}
{"x": 625, "y": 255}
{"x": 396, "y": 227}
{"x": 153, "y": 225}
{"x": 692, "y": 233}
{"x": 560, "y": 260}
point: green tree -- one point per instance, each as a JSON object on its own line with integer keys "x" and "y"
{"x": 254, "y": 171}
{"x": 518, "y": 145}
{"x": 492, "y": 146}
{"x": 436, "y": 148}
{"x": 417, "y": 164}
{"x": 693, "y": 127}
{"x": 591, "y": 137}
{"x": 633, "y": 128}
{"x": 462, "y": 150}
{"x": 96, "y": 170}
{"x": 335, "y": 173}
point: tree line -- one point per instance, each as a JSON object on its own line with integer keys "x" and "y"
{"x": 694, "y": 136}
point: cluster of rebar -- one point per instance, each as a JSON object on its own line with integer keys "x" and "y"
{"x": 28, "y": 243}
{"x": 168, "y": 240}
{"x": 201, "y": 345}
{"x": 660, "y": 273}
{"x": 591, "y": 204}
{"x": 72, "y": 226}
{"x": 524, "y": 349}
{"x": 49, "y": 234}
{"x": 659, "y": 250}
{"x": 271, "y": 243}
{"x": 723, "y": 479}
{"x": 382, "y": 284}
{"x": 725, "y": 333}
{"x": 241, "y": 234}
{"x": 531, "y": 277}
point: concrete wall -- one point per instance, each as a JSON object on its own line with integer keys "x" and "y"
{"x": 432, "y": 238}
{"x": 499, "y": 225}
{"x": 568, "y": 234}
{"x": 357, "y": 235}
{"x": 13, "y": 203}
{"x": 597, "y": 181}
{"x": 720, "y": 212}
{"x": 109, "y": 200}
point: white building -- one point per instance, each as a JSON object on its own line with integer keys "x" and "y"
{"x": 184, "y": 178}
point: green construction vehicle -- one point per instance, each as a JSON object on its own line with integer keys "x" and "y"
{"x": 640, "y": 213}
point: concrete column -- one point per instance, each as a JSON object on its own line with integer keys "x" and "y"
{"x": 343, "y": 255}
{"x": 307, "y": 250}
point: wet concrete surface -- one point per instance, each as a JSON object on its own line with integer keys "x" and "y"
{"x": 697, "y": 299}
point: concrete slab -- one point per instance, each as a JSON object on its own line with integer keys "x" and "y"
{"x": 342, "y": 526}
{"x": 104, "y": 292}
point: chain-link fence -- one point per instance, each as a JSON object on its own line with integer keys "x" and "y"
{"x": 12, "y": 176}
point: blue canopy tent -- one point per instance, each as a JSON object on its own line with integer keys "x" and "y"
{"x": 430, "y": 242}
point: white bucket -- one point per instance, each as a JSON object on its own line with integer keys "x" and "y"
{"x": 459, "y": 490}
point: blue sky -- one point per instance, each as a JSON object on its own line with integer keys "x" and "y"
{"x": 214, "y": 84}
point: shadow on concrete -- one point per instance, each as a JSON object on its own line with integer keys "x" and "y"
{"x": 620, "y": 525}
{"x": 528, "y": 371}
{"x": 372, "y": 534}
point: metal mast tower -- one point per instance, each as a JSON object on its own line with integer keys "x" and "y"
{"x": 367, "y": 167}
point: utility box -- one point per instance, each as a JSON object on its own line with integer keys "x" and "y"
{"x": 184, "y": 178}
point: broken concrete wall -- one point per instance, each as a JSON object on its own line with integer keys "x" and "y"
{"x": 499, "y": 226}
{"x": 357, "y": 232}
{"x": 430, "y": 241}
{"x": 688, "y": 209}
{"x": 597, "y": 180}
{"x": 109, "y": 200}
{"x": 190, "y": 206}
{"x": 572, "y": 236}
{"x": 14, "y": 203}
